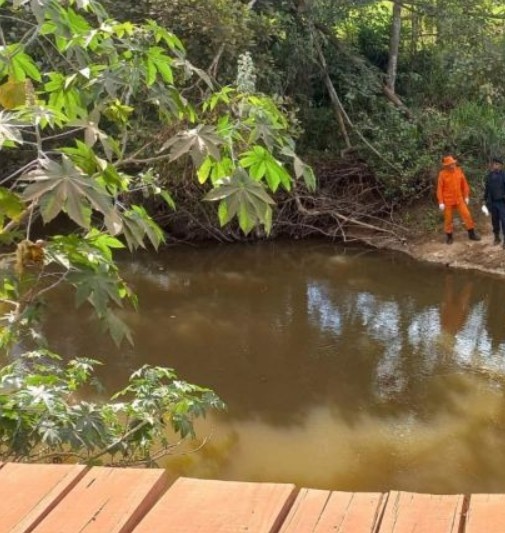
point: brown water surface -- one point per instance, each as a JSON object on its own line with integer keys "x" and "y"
{"x": 341, "y": 369}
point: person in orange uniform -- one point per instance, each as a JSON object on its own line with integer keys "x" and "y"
{"x": 453, "y": 192}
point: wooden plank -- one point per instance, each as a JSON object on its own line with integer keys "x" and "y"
{"x": 108, "y": 500}
{"x": 306, "y": 511}
{"x": 321, "y": 511}
{"x": 29, "y": 492}
{"x": 206, "y": 506}
{"x": 422, "y": 513}
{"x": 486, "y": 513}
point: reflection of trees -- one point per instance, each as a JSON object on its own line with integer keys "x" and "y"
{"x": 276, "y": 330}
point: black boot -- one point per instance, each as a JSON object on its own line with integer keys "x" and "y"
{"x": 448, "y": 238}
{"x": 473, "y": 236}
{"x": 496, "y": 239}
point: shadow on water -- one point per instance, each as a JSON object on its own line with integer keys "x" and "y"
{"x": 344, "y": 369}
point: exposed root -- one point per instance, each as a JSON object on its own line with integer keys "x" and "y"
{"x": 348, "y": 206}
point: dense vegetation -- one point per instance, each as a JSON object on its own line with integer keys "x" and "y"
{"x": 381, "y": 90}
{"x": 87, "y": 100}
{"x": 117, "y": 128}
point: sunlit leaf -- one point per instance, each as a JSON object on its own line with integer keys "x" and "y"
{"x": 261, "y": 163}
{"x": 204, "y": 170}
{"x": 11, "y": 205}
{"x": 64, "y": 187}
{"x": 245, "y": 198}
{"x": 168, "y": 198}
{"x": 9, "y": 132}
{"x": 197, "y": 142}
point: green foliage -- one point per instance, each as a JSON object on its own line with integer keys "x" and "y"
{"x": 108, "y": 74}
{"x": 77, "y": 87}
{"x": 244, "y": 149}
{"x": 208, "y": 27}
{"x": 40, "y": 419}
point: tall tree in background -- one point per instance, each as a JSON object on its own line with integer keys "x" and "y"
{"x": 394, "y": 46}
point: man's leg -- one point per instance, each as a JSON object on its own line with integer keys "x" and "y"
{"x": 501, "y": 218}
{"x": 466, "y": 216}
{"x": 448, "y": 223}
{"x": 468, "y": 221}
{"x": 496, "y": 217}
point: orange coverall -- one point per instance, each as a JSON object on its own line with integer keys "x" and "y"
{"x": 451, "y": 191}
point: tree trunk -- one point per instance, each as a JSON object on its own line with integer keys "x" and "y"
{"x": 359, "y": 62}
{"x": 394, "y": 46}
{"x": 415, "y": 33}
{"x": 342, "y": 116}
{"x": 439, "y": 27}
{"x": 335, "y": 100}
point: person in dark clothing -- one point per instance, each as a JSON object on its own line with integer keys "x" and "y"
{"x": 494, "y": 198}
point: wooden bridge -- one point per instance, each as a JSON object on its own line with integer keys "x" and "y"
{"x": 77, "y": 499}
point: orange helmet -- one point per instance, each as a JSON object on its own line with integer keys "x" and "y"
{"x": 448, "y": 160}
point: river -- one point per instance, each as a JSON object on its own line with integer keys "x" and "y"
{"x": 345, "y": 369}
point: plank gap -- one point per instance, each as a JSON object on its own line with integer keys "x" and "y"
{"x": 281, "y": 517}
{"x": 380, "y": 511}
{"x": 464, "y": 513}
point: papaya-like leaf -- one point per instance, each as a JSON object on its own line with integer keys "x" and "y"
{"x": 197, "y": 142}
{"x": 245, "y": 198}
{"x": 262, "y": 164}
{"x": 9, "y": 131}
{"x": 137, "y": 225}
{"x": 64, "y": 187}
{"x": 11, "y": 205}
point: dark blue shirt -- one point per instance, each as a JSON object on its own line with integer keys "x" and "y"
{"x": 495, "y": 186}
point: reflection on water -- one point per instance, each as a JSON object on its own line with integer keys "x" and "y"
{"x": 341, "y": 369}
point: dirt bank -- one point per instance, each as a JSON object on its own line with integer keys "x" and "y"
{"x": 463, "y": 253}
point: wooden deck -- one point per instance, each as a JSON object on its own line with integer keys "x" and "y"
{"x": 76, "y": 499}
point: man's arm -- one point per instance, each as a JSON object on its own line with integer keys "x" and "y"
{"x": 486, "y": 198}
{"x": 440, "y": 189}
{"x": 465, "y": 188}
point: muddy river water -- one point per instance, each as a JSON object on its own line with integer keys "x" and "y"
{"x": 341, "y": 368}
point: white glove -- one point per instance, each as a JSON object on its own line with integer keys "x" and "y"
{"x": 485, "y": 210}
{"x": 441, "y": 207}
{"x": 467, "y": 201}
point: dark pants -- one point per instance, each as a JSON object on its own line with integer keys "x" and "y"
{"x": 498, "y": 216}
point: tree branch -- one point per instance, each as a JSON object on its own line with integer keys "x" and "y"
{"x": 360, "y": 63}
{"x": 338, "y": 105}
{"x": 335, "y": 100}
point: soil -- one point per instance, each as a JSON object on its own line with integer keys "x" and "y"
{"x": 475, "y": 255}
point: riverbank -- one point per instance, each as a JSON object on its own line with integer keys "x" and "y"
{"x": 429, "y": 245}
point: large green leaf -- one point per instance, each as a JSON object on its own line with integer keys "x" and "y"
{"x": 9, "y": 132}
{"x": 262, "y": 164}
{"x": 98, "y": 287}
{"x": 301, "y": 169}
{"x": 217, "y": 170}
{"x": 245, "y": 198}
{"x": 64, "y": 97}
{"x": 17, "y": 63}
{"x": 117, "y": 328}
{"x": 158, "y": 62}
{"x": 11, "y": 205}
{"x": 137, "y": 225}
{"x": 64, "y": 187}
{"x": 197, "y": 142}
{"x": 101, "y": 287}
